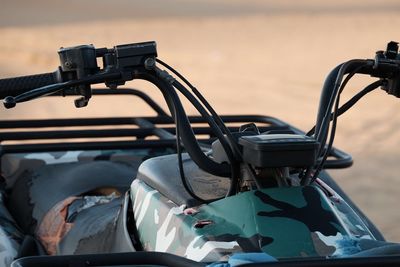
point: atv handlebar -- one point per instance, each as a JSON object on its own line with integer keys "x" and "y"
{"x": 19, "y": 85}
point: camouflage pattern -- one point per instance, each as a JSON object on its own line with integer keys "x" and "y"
{"x": 100, "y": 210}
{"x": 283, "y": 222}
{"x": 10, "y": 235}
{"x": 353, "y": 223}
{"x": 13, "y": 165}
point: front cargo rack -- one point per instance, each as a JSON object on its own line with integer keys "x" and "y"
{"x": 136, "y": 132}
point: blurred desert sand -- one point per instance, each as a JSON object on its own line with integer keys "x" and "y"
{"x": 257, "y": 57}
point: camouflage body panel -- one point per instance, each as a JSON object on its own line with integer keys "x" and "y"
{"x": 13, "y": 165}
{"x": 283, "y": 222}
{"x": 353, "y": 223}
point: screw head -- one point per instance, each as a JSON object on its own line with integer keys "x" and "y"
{"x": 69, "y": 64}
{"x": 150, "y": 63}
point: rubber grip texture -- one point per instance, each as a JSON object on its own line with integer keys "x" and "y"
{"x": 18, "y": 85}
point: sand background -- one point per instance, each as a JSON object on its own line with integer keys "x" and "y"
{"x": 257, "y": 57}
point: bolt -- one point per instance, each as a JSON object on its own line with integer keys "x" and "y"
{"x": 69, "y": 64}
{"x": 150, "y": 63}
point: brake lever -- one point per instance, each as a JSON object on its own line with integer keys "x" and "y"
{"x": 10, "y": 101}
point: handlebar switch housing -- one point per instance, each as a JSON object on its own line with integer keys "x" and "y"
{"x": 126, "y": 58}
{"x": 387, "y": 67}
{"x": 134, "y": 55}
{"x": 76, "y": 63}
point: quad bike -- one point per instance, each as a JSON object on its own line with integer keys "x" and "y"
{"x": 204, "y": 190}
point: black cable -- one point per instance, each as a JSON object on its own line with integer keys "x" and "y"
{"x": 174, "y": 107}
{"x": 163, "y": 81}
{"x": 227, "y": 148}
{"x": 322, "y": 134}
{"x": 326, "y": 153}
{"x": 330, "y": 143}
{"x": 209, "y": 119}
{"x": 175, "y": 72}
{"x": 329, "y": 93}
{"x": 334, "y": 114}
{"x": 180, "y": 117}
{"x": 185, "y": 183}
{"x": 233, "y": 144}
{"x": 232, "y": 141}
{"x": 368, "y": 88}
{"x": 217, "y": 132}
{"x": 350, "y": 103}
{"x": 218, "y": 119}
{"x": 235, "y": 168}
{"x": 307, "y": 174}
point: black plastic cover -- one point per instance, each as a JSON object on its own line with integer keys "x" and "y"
{"x": 279, "y": 150}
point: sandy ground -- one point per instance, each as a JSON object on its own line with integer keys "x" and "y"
{"x": 260, "y": 57}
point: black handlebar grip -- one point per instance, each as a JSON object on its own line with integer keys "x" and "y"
{"x": 18, "y": 85}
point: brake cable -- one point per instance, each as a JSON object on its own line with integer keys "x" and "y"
{"x": 368, "y": 88}
{"x": 236, "y": 150}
